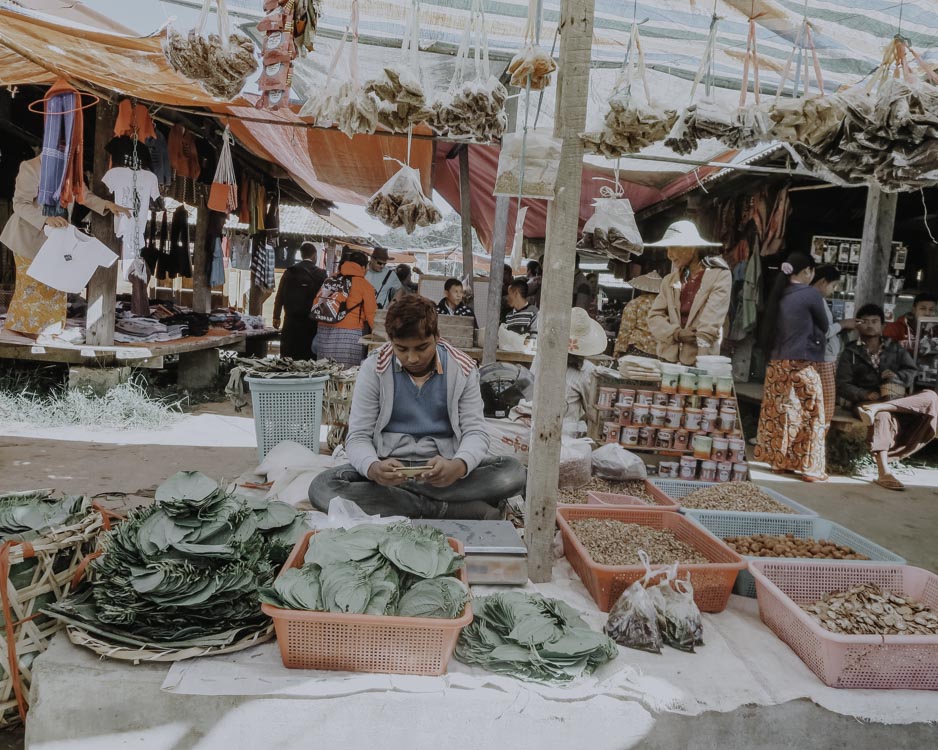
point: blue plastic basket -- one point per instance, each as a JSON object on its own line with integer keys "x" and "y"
{"x": 287, "y": 409}
{"x": 678, "y": 488}
{"x": 724, "y": 523}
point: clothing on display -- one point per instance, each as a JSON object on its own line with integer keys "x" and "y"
{"x": 131, "y": 117}
{"x": 159, "y": 159}
{"x": 263, "y": 264}
{"x": 68, "y": 259}
{"x": 183, "y": 154}
{"x": 176, "y": 262}
{"x": 156, "y": 244}
{"x": 61, "y": 179}
{"x": 240, "y": 247}
{"x": 35, "y": 307}
{"x": 217, "y": 270}
{"x": 125, "y": 153}
{"x": 134, "y": 190}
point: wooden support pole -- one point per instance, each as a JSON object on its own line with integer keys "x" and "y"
{"x": 499, "y": 239}
{"x": 878, "y": 225}
{"x": 494, "y": 310}
{"x": 201, "y": 291}
{"x": 102, "y": 289}
{"x": 465, "y": 214}
{"x": 576, "y": 32}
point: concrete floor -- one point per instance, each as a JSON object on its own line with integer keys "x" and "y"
{"x": 905, "y": 522}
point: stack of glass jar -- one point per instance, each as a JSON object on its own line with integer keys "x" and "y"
{"x": 691, "y": 413}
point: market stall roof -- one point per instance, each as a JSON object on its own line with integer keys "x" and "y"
{"x": 35, "y": 48}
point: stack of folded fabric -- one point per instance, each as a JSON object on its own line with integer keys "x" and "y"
{"x": 131, "y": 329}
{"x": 640, "y": 368}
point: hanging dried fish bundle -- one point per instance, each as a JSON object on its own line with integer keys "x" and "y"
{"x": 472, "y": 107}
{"x": 220, "y": 63}
{"x": 630, "y": 124}
{"x": 629, "y": 127}
{"x": 704, "y": 119}
{"x": 534, "y": 63}
{"x": 475, "y": 110}
{"x": 811, "y": 122}
{"x": 401, "y": 203}
{"x": 402, "y": 100}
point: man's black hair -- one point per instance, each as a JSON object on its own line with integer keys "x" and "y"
{"x": 521, "y": 285}
{"x": 450, "y": 283}
{"x": 871, "y": 309}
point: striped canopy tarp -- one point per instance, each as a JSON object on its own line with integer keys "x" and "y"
{"x": 848, "y": 35}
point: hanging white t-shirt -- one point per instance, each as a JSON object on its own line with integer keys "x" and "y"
{"x": 132, "y": 229}
{"x": 68, "y": 259}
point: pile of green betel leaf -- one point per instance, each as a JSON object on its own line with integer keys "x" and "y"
{"x": 398, "y": 569}
{"x": 531, "y": 637}
{"x": 185, "y": 571}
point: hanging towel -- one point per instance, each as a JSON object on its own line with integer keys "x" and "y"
{"x": 56, "y": 146}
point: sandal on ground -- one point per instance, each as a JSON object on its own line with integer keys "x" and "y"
{"x": 814, "y": 477}
{"x": 889, "y": 482}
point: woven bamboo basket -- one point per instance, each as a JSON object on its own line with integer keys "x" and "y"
{"x": 338, "y": 404}
{"x": 33, "y": 575}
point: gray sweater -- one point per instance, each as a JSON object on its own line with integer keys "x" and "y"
{"x": 373, "y": 402}
{"x": 801, "y": 328}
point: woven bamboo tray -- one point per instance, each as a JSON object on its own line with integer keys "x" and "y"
{"x": 26, "y": 632}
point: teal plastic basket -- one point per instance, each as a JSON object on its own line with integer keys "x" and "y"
{"x": 287, "y": 409}
{"x": 724, "y": 523}
{"x": 678, "y": 488}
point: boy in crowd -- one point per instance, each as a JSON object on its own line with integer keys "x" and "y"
{"x": 417, "y": 443}
{"x": 452, "y": 303}
{"x": 904, "y": 330}
{"x": 522, "y": 317}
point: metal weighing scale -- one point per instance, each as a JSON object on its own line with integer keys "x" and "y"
{"x": 495, "y": 553}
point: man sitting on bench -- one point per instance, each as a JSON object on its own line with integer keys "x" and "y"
{"x": 417, "y": 443}
{"x": 875, "y": 373}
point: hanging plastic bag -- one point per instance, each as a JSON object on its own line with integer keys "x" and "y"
{"x": 704, "y": 118}
{"x": 398, "y": 88}
{"x": 612, "y": 228}
{"x": 472, "y": 108}
{"x": 630, "y": 124}
{"x": 517, "y": 243}
{"x": 224, "y": 193}
{"x": 531, "y": 66}
{"x": 679, "y": 620}
{"x": 220, "y": 63}
{"x": 528, "y": 164}
{"x": 633, "y": 621}
{"x": 576, "y": 462}
{"x": 342, "y": 101}
{"x": 400, "y": 202}
{"x": 614, "y": 462}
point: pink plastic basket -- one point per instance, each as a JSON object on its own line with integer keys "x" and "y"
{"x": 712, "y": 581}
{"x": 848, "y": 661}
{"x": 365, "y": 643}
{"x": 659, "y": 500}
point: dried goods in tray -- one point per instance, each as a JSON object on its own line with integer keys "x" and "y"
{"x": 789, "y": 545}
{"x": 744, "y": 497}
{"x": 868, "y": 609}
{"x": 612, "y": 542}
{"x": 577, "y": 496}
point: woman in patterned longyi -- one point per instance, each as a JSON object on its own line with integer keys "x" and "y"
{"x": 792, "y": 420}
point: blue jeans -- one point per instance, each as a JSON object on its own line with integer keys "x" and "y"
{"x": 476, "y": 497}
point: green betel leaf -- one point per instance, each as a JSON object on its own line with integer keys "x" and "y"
{"x": 193, "y": 486}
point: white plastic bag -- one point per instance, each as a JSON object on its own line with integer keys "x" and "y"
{"x": 344, "y": 514}
{"x": 400, "y": 202}
{"x": 576, "y": 462}
{"x": 342, "y": 101}
{"x": 612, "y": 461}
{"x": 532, "y": 65}
{"x": 612, "y": 228}
{"x": 509, "y": 438}
{"x": 528, "y": 165}
{"x": 288, "y": 455}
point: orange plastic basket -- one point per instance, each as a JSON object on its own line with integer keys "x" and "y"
{"x": 712, "y": 582}
{"x": 365, "y": 643}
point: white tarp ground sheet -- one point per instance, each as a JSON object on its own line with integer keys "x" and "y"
{"x": 742, "y": 663}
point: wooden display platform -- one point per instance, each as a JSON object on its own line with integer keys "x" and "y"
{"x": 151, "y": 355}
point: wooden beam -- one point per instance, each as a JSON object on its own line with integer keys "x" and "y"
{"x": 494, "y": 309}
{"x": 102, "y": 289}
{"x": 576, "y": 33}
{"x": 465, "y": 215}
{"x": 878, "y": 225}
{"x": 201, "y": 291}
